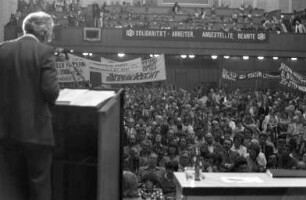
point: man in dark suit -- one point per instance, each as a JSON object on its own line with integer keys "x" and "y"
{"x": 28, "y": 86}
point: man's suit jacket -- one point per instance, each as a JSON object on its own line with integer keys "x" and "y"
{"x": 28, "y": 85}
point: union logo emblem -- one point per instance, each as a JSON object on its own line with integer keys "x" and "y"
{"x": 130, "y": 33}
{"x": 261, "y": 36}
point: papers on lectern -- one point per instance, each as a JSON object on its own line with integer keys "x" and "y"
{"x": 83, "y": 97}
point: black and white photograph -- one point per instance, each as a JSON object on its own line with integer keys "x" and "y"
{"x": 152, "y": 99}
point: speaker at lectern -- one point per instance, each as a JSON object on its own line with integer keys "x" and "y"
{"x": 87, "y": 125}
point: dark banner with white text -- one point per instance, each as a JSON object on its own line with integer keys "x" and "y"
{"x": 287, "y": 76}
{"x": 194, "y": 35}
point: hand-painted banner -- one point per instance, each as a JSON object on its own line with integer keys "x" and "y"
{"x": 292, "y": 79}
{"x": 229, "y": 75}
{"x": 134, "y": 65}
{"x": 152, "y": 69}
{"x": 288, "y": 73}
{"x": 194, "y": 35}
{"x": 292, "y": 84}
{"x": 78, "y": 69}
{"x": 74, "y": 70}
{"x": 287, "y": 77}
{"x": 234, "y": 76}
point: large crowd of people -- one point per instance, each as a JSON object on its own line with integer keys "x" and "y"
{"x": 245, "y": 18}
{"x": 234, "y": 131}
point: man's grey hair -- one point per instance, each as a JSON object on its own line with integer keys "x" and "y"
{"x": 40, "y": 24}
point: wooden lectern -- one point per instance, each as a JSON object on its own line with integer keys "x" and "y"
{"x": 87, "y": 126}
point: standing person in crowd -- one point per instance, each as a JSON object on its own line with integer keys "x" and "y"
{"x": 28, "y": 87}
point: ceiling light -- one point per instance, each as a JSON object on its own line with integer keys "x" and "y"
{"x": 214, "y": 57}
{"x": 294, "y": 59}
{"x": 260, "y": 57}
{"x": 156, "y": 55}
{"x": 275, "y": 58}
{"x": 245, "y": 57}
{"x": 151, "y": 55}
{"x": 85, "y": 54}
{"x": 191, "y": 56}
{"x": 226, "y": 57}
{"x": 183, "y": 56}
{"x": 121, "y": 55}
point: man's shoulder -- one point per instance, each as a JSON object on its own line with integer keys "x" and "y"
{"x": 8, "y": 42}
{"x": 33, "y": 41}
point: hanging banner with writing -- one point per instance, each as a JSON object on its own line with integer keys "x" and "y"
{"x": 287, "y": 77}
{"x": 75, "y": 70}
{"x": 291, "y": 84}
{"x": 288, "y": 73}
{"x": 292, "y": 79}
{"x": 234, "y": 76}
{"x": 194, "y": 35}
{"x": 149, "y": 70}
{"x": 78, "y": 69}
{"x": 107, "y": 67}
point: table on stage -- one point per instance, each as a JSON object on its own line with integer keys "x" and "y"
{"x": 238, "y": 186}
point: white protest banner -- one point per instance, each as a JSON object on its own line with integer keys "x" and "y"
{"x": 106, "y": 60}
{"x": 229, "y": 75}
{"x": 292, "y": 79}
{"x": 288, "y": 73}
{"x": 134, "y": 65}
{"x": 133, "y": 71}
{"x": 75, "y": 69}
{"x": 234, "y": 76}
{"x": 112, "y": 72}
